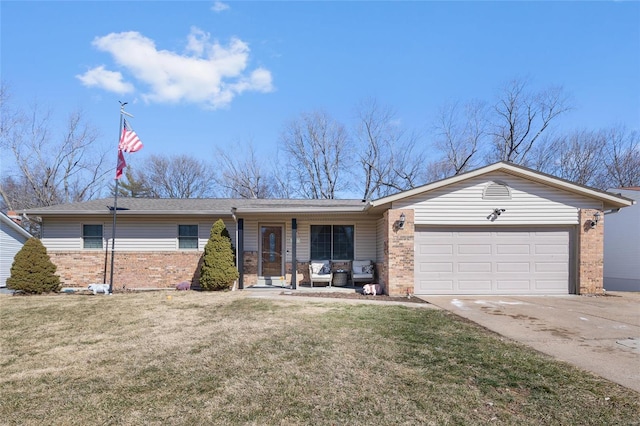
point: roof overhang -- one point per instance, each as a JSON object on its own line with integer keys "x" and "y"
{"x": 11, "y": 224}
{"x": 609, "y": 200}
{"x": 300, "y": 210}
{"x": 212, "y": 208}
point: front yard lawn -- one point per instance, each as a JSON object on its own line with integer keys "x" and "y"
{"x": 190, "y": 358}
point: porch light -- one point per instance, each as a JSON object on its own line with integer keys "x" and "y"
{"x": 403, "y": 218}
{"x": 596, "y": 219}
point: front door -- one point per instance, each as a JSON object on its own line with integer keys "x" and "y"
{"x": 271, "y": 249}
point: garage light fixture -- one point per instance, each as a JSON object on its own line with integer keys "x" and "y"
{"x": 495, "y": 213}
{"x": 401, "y": 221}
{"x": 596, "y": 219}
{"x": 399, "y": 224}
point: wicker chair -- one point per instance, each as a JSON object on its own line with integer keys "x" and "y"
{"x": 362, "y": 271}
{"x": 320, "y": 272}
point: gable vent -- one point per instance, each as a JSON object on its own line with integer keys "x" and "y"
{"x": 496, "y": 191}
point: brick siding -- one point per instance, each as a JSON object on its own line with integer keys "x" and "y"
{"x": 590, "y": 254}
{"x": 399, "y": 254}
{"x": 131, "y": 270}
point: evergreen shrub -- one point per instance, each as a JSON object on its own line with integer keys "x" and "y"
{"x": 218, "y": 269}
{"x": 32, "y": 270}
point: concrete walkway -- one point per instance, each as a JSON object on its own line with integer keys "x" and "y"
{"x": 281, "y": 293}
{"x": 598, "y": 334}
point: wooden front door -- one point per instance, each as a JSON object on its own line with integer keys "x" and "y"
{"x": 271, "y": 251}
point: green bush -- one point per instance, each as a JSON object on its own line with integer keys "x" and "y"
{"x": 32, "y": 270}
{"x": 218, "y": 269}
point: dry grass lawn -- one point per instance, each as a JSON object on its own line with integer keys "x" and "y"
{"x": 189, "y": 358}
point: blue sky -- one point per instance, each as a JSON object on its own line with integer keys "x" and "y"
{"x": 200, "y": 75}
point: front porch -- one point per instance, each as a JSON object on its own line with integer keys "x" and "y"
{"x": 306, "y": 287}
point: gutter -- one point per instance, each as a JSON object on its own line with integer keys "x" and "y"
{"x": 299, "y": 210}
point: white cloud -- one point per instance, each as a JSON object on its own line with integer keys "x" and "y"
{"x": 196, "y": 41}
{"x": 218, "y": 6}
{"x": 209, "y": 73}
{"x": 108, "y": 80}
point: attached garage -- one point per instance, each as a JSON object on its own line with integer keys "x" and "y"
{"x": 492, "y": 260}
{"x": 499, "y": 230}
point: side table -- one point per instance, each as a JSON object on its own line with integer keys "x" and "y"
{"x": 340, "y": 278}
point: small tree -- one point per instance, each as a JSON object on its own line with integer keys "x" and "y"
{"x": 32, "y": 270}
{"x": 218, "y": 269}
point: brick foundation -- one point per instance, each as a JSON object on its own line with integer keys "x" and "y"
{"x": 131, "y": 270}
{"x": 302, "y": 276}
{"x": 591, "y": 254}
{"x": 250, "y": 268}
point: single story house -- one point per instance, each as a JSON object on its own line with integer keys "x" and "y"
{"x": 622, "y": 245}
{"x": 500, "y": 229}
{"x": 12, "y": 238}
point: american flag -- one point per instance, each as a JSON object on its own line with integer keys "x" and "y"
{"x": 129, "y": 142}
{"x": 121, "y": 164}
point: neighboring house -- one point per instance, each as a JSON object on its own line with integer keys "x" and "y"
{"x": 500, "y": 229}
{"x": 12, "y": 238}
{"x": 622, "y": 245}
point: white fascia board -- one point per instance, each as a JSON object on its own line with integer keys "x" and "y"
{"x": 609, "y": 200}
{"x": 301, "y": 210}
{"x": 131, "y": 213}
{"x": 19, "y": 229}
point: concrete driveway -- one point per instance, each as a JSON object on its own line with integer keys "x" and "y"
{"x": 598, "y": 334}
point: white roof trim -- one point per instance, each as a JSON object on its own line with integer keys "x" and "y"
{"x": 610, "y": 200}
{"x": 6, "y": 219}
{"x": 300, "y": 210}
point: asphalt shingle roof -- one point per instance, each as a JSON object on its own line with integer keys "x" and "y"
{"x": 192, "y": 206}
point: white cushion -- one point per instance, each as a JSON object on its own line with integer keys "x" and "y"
{"x": 359, "y": 265}
{"x": 320, "y": 268}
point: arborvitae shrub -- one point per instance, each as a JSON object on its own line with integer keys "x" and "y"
{"x": 218, "y": 269}
{"x": 32, "y": 270}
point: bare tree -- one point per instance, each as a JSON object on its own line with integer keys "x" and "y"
{"x": 520, "y": 117}
{"x": 621, "y": 159}
{"x": 460, "y": 131}
{"x": 576, "y": 157}
{"x": 178, "y": 176}
{"x": 49, "y": 169}
{"x": 315, "y": 145}
{"x": 282, "y": 175}
{"x": 388, "y": 155}
{"x": 242, "y": 175}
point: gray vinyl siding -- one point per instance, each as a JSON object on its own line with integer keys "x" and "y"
{"x": 381, "y": 226}
{"x": 531, "y": 203}
{"x": 132, "y": 234}
{"x": 65, "y": 234}
{"x": 622, "y": 246}
{"x": 365, "y": 233}
{"x": 11, "y": 241}
{"x": 366, "y": 242}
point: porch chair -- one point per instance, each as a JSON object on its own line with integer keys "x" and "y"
{"x": 362, "y": 271}
{"x": 320, "y": 272}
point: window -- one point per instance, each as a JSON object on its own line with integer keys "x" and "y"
{"x": 92, "y": 236}
{"x": 188, "y": 237}
{"x": 332, "y": 242}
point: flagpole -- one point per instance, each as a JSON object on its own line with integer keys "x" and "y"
{"x": 115, "y": 202}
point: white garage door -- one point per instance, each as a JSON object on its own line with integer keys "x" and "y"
{"x": 491, "y": 261}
